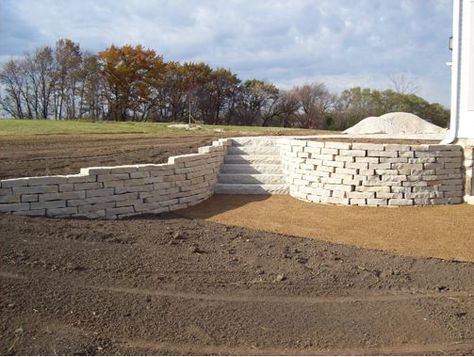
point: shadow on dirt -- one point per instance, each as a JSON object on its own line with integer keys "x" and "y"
{"x": 220, "y": 203}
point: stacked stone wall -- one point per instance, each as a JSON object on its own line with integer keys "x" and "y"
{"x": 120, "y": 191}
{"x": 367, "y": 174}
{"x": 469, "y": 167}
{"x": 363, "y": 174}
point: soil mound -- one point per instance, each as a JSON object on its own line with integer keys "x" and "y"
{"x": 393, "y": 124}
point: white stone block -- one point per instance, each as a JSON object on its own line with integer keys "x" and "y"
{"x": 99, "y": 192}
{"x": 113, "y": 177}
{"x": 345, "y": 188}
{"x": 87, "y": 186}
{"x": 73, "y": 179}
{"x": 66, "y": 187}
{"x": 360, "y": 195}
{"x": 389, "y": 195}
{"x": 29, "y": 198}
{"x": 73, "y": 195}
{"x": 325, "y": 151}
{"x": 367, "y": 146}
{"x": 20, "y": 182}
{"x": 61, "y": 212}
{"x": 377, "y": 202}
{"x": 358, "y": 202}
{"x": 35, "y": 189}
{"x": 98, "y": 207}
{"x": 14, "y": 207}
{"x": 339, "y": 164}
{"x": 347, "y": 159}
{"x": 353, "y": 153}
{"x": 400, "y": 202}
{"x": 371, "y": 153}
{"x": 357, "y": 165}
{"x": 48, "y": 204}
{"x": 312, "y": 144}
{"x": 370, "y": 160}
{"x": 46, "y": 180}
{"x": 337, "y": 145}
{"x": 11, "y": 199}
{"x": 313, "y": 150}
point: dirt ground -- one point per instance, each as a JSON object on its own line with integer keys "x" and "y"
{"x": 171, "y": 285}
{"x": 444, "y": 232}
{"x": 66, "y": 154}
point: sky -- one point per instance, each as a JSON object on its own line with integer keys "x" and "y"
{"x": 343, "y": 43}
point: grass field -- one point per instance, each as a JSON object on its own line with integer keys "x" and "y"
{"x": 14, "y": 127}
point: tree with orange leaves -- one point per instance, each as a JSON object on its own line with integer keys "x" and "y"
{"x": 131, "y": 75}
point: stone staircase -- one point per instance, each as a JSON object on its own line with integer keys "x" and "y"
{"x": 252, "y": 166}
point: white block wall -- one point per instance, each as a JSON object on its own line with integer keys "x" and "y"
{"x": 367, "y": 174}
{"x": 469, "y": 167}
{"x": 334, "y": 172}
{"x": 120, "y": 191}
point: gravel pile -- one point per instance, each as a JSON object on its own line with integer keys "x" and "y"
{"x": 393, "y": 124}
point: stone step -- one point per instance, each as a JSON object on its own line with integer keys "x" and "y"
{"x": 250, "y": 169}
{"x": 253, "y": 159}
{"x": 253, "y": 150}
{"x": 251, "y": 178}
{"x": 254, "y": 189}
{"x": 255, "y": 141}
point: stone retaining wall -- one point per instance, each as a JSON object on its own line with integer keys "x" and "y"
{"x": 367, "y": 174}
{"x": 469, "y": 167}
{"x": 120, "y": 191}
{"x": 362, "y": 174}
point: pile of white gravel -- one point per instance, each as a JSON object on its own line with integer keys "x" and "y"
{"x": 394, "y": 124}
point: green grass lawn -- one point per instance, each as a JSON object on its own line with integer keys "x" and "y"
{"x": 14, "y": 127}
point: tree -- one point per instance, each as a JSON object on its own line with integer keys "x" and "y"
{"x": 314, "y": 102}
{"x": 91, "y": 90}
{"x": 68, "y": 59}
{"x": 130, "y": 74}
{"x": 256, "y": 100}
{"x": 216, "y": 94}
{"x": 404, "y": 84}
{"x": 13, "y": 102}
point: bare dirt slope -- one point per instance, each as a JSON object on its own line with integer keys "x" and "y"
{"x": 170, "y": 285}
{"x": 66, "y": 154}
{"x": 440, "y": 231}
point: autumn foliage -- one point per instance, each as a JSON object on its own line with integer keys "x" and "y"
{"x": 135, "y": 83}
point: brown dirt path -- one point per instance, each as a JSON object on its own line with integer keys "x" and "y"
{"x": 170, "y": 285}
{"x": 445, "y": 232}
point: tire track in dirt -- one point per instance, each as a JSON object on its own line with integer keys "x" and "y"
{"x": 264, "y": 299}
{"x": 8, "y": 275}
{"x": 306, "y": 300}
{"x": 408, "y": 349}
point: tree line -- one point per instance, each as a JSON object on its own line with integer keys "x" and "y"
{"x": 135, "y": 83}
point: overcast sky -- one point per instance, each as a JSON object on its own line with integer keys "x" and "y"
{"x": 343, "y": 43}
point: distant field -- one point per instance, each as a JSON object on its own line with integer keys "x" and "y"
{"x": 13, "y": 127}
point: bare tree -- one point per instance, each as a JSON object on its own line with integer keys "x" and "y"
{"x": 68, "y": 59}
{"x": 12, "y": 101}
{"x": 404, "y": 84}
{"x": 314, "y": 101}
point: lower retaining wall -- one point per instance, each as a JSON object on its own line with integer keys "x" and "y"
{"x": 366, "y": 174}
{"x": 363, "y": 174}
{"x": 120, "y": 191}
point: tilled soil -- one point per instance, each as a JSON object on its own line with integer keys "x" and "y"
{"x": 67, "y": 154}
{"x": 170, "y": 285}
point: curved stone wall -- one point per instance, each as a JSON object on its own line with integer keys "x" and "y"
{"x": 367, "y": 174}
{"x": 363, "y": 174}
{"x": 119, "y": 191}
